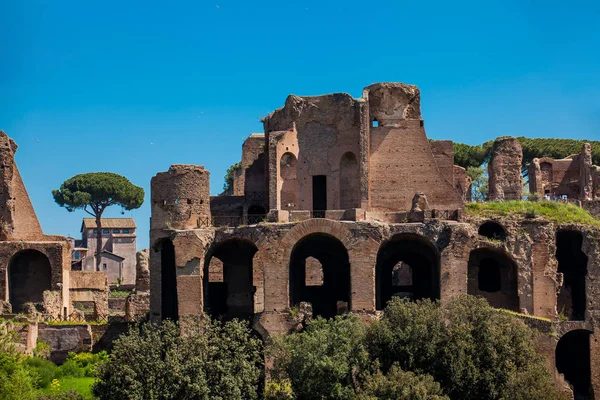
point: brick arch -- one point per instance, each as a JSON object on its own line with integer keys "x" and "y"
{"x": 316, "y": 225}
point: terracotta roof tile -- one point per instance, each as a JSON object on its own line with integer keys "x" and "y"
{"x": 109, "y": 223}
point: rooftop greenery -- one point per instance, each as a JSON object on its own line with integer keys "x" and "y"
{"x": 561, "y": 213}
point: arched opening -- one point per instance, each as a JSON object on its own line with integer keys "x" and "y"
{"x": 29, "y": 275}
{"x": 492, "y": 230}
{"x": 327, "y": 284}
{"x": 289, "y": 187}
{"x": 492, "y": 275}
{"x": 228, "y": 285}
{"x": 407, "y": 266}
{"x": 256, "y": 214}
{"x": 349, "y": 182}
{"x": 573, "y": 361}
{"x": 572, "y": 263}
{"x": 169, "y": 308}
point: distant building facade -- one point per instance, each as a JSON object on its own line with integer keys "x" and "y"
{"x": 119, "y": 245}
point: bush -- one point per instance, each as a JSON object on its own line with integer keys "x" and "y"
{"x": 17, "y": 382}
{"x": 322, "y": 361}
{"x": 156, "y": 362}
{"x": 68, "y": 395}
{"x": 472, "y": 351}
{"x": 45, "y": 370}
{"x": 400, "y": 385}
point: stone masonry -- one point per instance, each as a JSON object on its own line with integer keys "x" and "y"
{"x": 361, "y": 208}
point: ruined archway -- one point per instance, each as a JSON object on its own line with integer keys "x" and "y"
{"x": 492, "y": 274}
{"x": 407, "y": 266}
{"x": 573, "y": 361}
{"x": 572, "y": 263}
{"x": 320, "y": 274}
{"x": 349, "y": 182}
{"x": 288, "y": 172}
{"x": 228, "y": 285}
{"x": 492, "y": 230}
{"x": 169, "y": 306}
{"x": 29, "y": 275}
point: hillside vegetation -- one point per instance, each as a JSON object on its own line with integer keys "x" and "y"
{"x": 561, "y": 213}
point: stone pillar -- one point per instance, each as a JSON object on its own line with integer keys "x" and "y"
{"x": 536, "y": 185}
{"x": 587, "y": 183}
{"x": 504, "y": 170}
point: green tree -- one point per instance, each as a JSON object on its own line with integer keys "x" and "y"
{"x": 217, "y": 361}
{"x": 479, "y": 183}
{"x": 472, "y": 350}
{"x": 96, "y": 191}
{"x": 17, "y": 381}
{"x": 324, "y": 360}
{"x": 400, "y": 385}
{"x": 229, "y": 175}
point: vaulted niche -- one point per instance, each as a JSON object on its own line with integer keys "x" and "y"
{"x": 492, "y": 230}
{"x": 407, "y": 266}
{"x": 327, "y": 284}
{"x": 168, "y": 281}
{"x": 493, "y": 276}
{"x": 228, "y": 286}
{"x": 573, "y": 361}
{"x": 572, "y": 263}
{"x": 29, "y": 275}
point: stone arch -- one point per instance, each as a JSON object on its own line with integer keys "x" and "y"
{"x": 492, "y": 230}
{"x": 572, "y": 263}
{"x": 29, "y": 275}
{"x": 492, "y": 274}
{"x": 349, "y": 181}
{"x": 332, "y": 296}
{"x": 408, "y": 265}
{"x": 229, "y": 292}
{"x": 288, "y": 173}
{"x": 572, "y": 356}
{"x": 169, "y": 303}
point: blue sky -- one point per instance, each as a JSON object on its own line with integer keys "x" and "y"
{"x": 133, "y": 87}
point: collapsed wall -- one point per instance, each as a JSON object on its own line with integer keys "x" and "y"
{"x": 504, "y": 170}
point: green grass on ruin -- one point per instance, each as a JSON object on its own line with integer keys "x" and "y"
{"x": 560, "y": 213}
{"x": 83, "y": 386}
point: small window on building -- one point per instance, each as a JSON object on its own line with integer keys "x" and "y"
{"x": 125, "y": 230}
{"x": 116, "y": 231}
{"x": 375, "y": 124}
{"x": 76, "y": 255}
{"x": 96, "y": 231}
{"x": 104, "y": 267}
{"x": 105, "y": 231}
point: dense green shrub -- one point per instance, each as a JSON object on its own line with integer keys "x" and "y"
{"x": 471, "y": 350}
{"x": 46, "y": 370}
{"x": 219, "y": 361}
{"x": 17, "y": 381}
{"x": 322, "y": 361}
{"x": 399, "y": 385}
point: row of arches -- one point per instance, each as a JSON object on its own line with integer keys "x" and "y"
{"x": 407, "y": 266}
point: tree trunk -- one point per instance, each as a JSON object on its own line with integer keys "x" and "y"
{"x": 98, "y": 241}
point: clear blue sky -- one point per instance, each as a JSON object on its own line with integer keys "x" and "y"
{"x": 134, "y": 86}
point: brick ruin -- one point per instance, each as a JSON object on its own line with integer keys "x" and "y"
{"x": 31, "y": 262}
{"x": 344, "y": 203}
{"x": 575, "y": 176}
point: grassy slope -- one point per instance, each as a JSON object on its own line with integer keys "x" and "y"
{"x": 553, "y": 211}
{"x": 82, "y": 386}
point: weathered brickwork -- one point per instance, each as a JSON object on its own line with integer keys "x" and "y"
{"x": 30, "y": 261}
{"x": 504, "y": 170}
{"x": 362, "y": 207}
{"x": 574, "y": 176}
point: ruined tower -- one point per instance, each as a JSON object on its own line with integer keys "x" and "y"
{"x": 504, "y": 170}
{"x": 180, "y": 198}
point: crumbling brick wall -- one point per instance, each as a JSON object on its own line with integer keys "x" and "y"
{"x": 504, "y": 170}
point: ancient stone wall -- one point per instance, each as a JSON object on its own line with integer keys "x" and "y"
{"x": 574, "y": 176}
{"x": 504, "y": 170}
{"x": 401, "y": 158}
{"x": 462, "y": 183}
{"x": 180, "y": 197}
{"x": 326, "y": 128}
